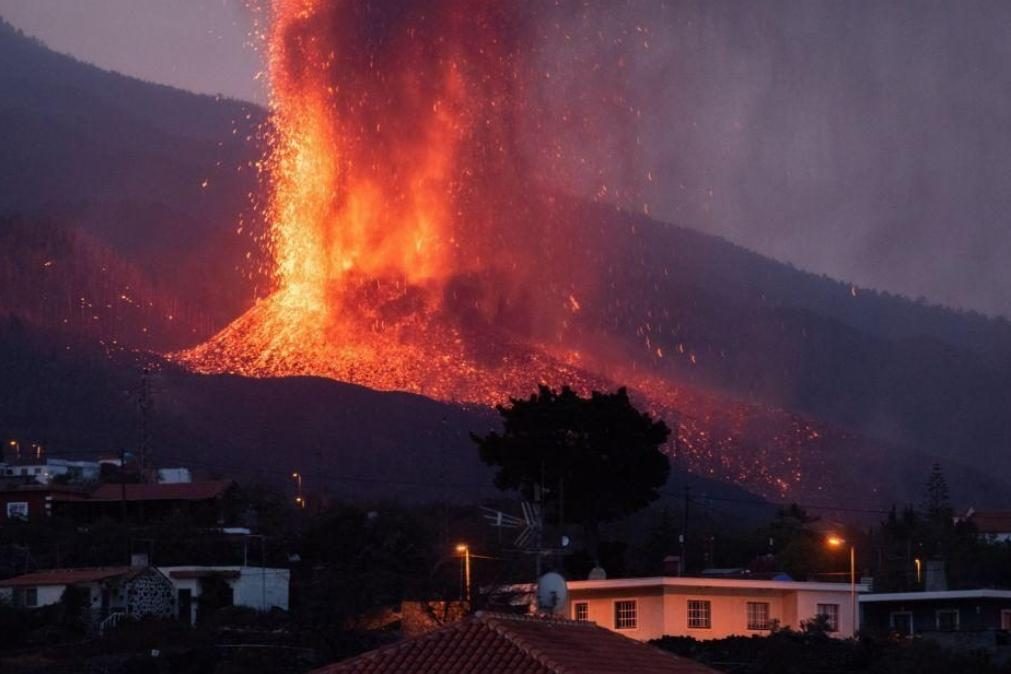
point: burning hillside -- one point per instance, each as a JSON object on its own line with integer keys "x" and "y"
{"x": 406, "y": 231}
{"x": 414, "y": 248}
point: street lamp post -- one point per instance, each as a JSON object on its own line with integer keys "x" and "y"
{"x": 837, "y": 542}
{"x": 464, "y": 549}
{"x": 299, "y": 500}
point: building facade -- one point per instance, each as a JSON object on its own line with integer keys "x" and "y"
{"x": 32, "y": 502}
{"x": 929, "y": 613}
{"x": 254, "y": 587}
{"x": 135, "y": 591}
{"x": 709, "y": 608}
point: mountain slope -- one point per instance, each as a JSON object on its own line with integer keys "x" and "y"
{"x": 778, "y": 373}
{"x": 159, "y": 176}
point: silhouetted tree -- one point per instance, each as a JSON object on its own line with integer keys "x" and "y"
{"x": 601, "y": 452}
{"x": 938, "y": 502}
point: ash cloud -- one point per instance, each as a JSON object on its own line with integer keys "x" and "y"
{"x": 868, "y": 141}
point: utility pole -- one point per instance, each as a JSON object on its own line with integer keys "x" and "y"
{"x": 684, "y": 531}
{"x": 143, "y": 418}
{"x": 122, "y": 482}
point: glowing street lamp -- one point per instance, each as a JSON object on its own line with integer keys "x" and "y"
{"x": 464, "y": 550}
{"x": 299, "y": 499}
{"x": 834, "y": 541}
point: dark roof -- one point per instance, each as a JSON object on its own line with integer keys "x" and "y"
{"x": 492, "y": 643}
{"x": 190, "y": 574}
{"x": 66, "y": 576}
{"x": 9, "y": 486}
{"x": 183, "y": 491}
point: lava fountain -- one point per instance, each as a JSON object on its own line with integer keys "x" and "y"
{"x": 413, "y": 244}
{"x": 404, "y": 219}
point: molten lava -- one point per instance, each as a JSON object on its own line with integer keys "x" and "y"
{"x": 413, "y": 245}
{"x": 400, "y": 262}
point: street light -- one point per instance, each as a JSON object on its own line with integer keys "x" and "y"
{"x": 299, "y": 499}
{"x": 464, "y": 550}
{"x": 837, "y": 542}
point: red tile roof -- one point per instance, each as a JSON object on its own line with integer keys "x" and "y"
{"x": 184, "y": 491}
{"x": 492, "y": 643}
{"x": 66, "y": 576}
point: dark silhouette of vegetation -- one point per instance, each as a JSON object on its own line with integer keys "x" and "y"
{"x": 599, "y": 457}
{"x": 813, "y": 652}
{"x": 74, "y": 604}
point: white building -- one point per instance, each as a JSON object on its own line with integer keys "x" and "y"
{"x": 44, "y": 470}
{"x": 251, "y": 586}
{"x": 127, "y": 590}
{"x": 709, "y": 608}
{"x": 174, "y": 476}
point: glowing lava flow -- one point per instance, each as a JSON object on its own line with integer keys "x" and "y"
{"x": 410, "y": 250}
{"x": 390, "y": 157}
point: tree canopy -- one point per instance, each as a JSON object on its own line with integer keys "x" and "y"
{"x": 601, "y": 452}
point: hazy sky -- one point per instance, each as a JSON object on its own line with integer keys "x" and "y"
{"x": 199, "y": 45}
{"x": 867, "y": 140}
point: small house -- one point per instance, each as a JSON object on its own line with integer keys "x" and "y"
{"x": 942, "y": 614}
{"x": 135, "y": 591}
{"x": 710, "y": 608}
{"x": 254, "y": 587}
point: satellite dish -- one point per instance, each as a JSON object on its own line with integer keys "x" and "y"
{"x": 597, "y": 573}
{"x": 552, "y": 593}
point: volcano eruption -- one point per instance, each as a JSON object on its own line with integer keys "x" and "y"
{"x": 408, "y": 216}
{"x": 424, "y": 238}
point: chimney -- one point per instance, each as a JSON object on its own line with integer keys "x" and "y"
{"x": 139, "y": 560}
{"x": 935, "y": 579}
{"x": 672, "y": 565}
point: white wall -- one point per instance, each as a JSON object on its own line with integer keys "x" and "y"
{"x": 807, "y": 608}
{"x": 262, "y": 589}
{"x": 256, "y": 588}
{"x": 664, "y": 610}
{"x": 47, "y": 594}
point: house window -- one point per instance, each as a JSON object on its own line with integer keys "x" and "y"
{"x": 1005, "y": 619}
{"x": 758, "y": 615}
{"x": 17, "y": 510}
{"x": 700, "y": 614}
{"x": 901, "y": 623}
{"x": 831, "y": 613}
{"x": 626, "y": 615}
{"x": 581, "y": 611}
{"x": 31, "y": 597}
{"x": 947, "y": 619}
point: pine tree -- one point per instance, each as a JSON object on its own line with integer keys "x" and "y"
{"x": 938, "y": 504}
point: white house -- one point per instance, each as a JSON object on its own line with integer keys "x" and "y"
{"x": 45, "y": 469}
{"x": 128, "y": 590}
{"x": 251, "y": 586}
{"x": 709, "y": 608}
